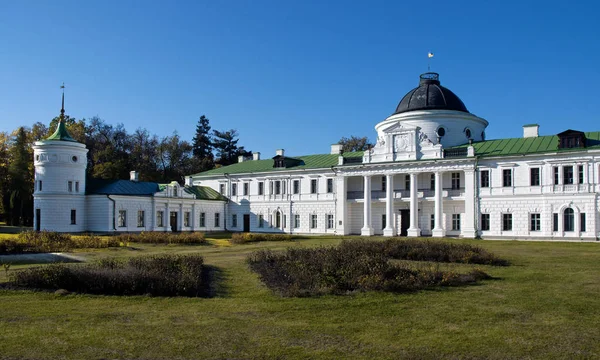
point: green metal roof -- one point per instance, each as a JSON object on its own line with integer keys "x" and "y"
{"x": 145, "y": 188}
{"x": 322, "y": 161}
{"x": 204, "y": 193}
{"x": 61, "y": 133}
{"x": 525, "y": 146}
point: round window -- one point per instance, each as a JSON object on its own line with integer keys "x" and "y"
{"x": 74, "y": 158}
{"x": 468, "y": 133}
{"x": 441, "y": 131}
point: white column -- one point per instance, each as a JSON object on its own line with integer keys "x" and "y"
{"x": 414, "y": 230}
{"x": 438, "y": 229}
{"x": 389, "y": 207}
{"x": 341, "y": 207}
{"x": 468, "y": 221}
{"x": 194, "y": 223}
{"x": 367, "y": 229}
{"x": 167, "y": 218}
{"x": 153, "y": 216}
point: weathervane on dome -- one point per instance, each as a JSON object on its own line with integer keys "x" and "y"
{"x": 62, "y": 109}
{"x": 429, "y": 56}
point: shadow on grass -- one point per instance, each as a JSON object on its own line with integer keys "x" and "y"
{"x": 216, "y": 280}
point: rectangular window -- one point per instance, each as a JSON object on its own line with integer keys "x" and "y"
{"x": 555, "y": 222}
{"x": 329, "y": 186}
{"x": 271, "y": 187}
{"x": 556, "y": 176}
{"x": 296, "y": 221}
{"x": 186, "y": 219}
{"x": 122, "y": 218}
{"x": 222, "y": 189}
{"x": 246, "y": 187}
{"x": 277, "y": 187}
{"x": 217, "y": 220}
{"x": 455, "y": 181}
{"x": 383, "y": 221}
{"x": 582, "y": 222}
{"x": 383, "y": 183}
{"x": 329, "y": 221}
{"x": 284, "y": 221}
{"x": 432, "y": 221}
{"x": 296, "y": 186}
{"x": 535, "y": 222}
{"x": 407, "y": 182}
{"x": 432, "y": 182}
{"x": 534, "y": 176}
{"x": 40, "y": 183}
{"x": 567, "y": 175}
{"x": 283, "y": 187}
{"x": 234, "y": 220}
{"x": 77, "y": 186}
{"x": 73, "y": 217}
{"x": 313, "y": 221}
{"x": 261, "y": 188}
{"x": 507, "y": 177}
{"x": 140, "y": 218}
{"x": 233, "y": 189}
{"x": 261, "y": 221}
{"x": 313, "y": 186}
{"x": 159, "y": 219}
{"x": 485, "y": 178}
{"x": 202, "y": 220}
{"x": 506, "y": 222}
{"x": 485, "y": 222}
{"x": 70, "y": 186}
{"x": 455, "y": 221}
{"x": 580, "y": 174}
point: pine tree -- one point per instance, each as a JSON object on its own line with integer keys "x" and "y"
{"x": 202, "y": 146}
{"x": 225, "y": 144}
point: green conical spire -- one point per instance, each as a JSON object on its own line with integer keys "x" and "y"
{"x": 61, "y": 132}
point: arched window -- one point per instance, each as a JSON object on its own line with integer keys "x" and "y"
{"x": 569, "y": 220}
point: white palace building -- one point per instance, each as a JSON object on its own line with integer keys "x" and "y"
{"x": 431, "y": 173}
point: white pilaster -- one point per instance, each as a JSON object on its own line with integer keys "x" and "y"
{"x": 468, "y": 222}
{"x": 341, "y": 207}
{"x": 438, "y": 229}
{"x": 367, "y": 229}
{"x": 389, "y": 207}
{"x": 414, "y": 229}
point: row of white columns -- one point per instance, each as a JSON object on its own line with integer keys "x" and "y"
{"x": 413, "y": 230}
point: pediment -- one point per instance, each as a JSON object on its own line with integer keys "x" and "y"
{"x": 399, "y": 127}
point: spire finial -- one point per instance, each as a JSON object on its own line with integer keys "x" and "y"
{"x": 62, "y": 109}
{"x": 429, "y": 56}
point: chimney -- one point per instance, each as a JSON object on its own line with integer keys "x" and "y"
{"x": 133, "y": 176}
{"x": 336, "y": 149}
{"x": 280, "y": 152}
{"x": 189, "y": 181}
{"x": 241, "y": 158}
{"x": 256, "y": 156}
{"x": 531, "y": 130}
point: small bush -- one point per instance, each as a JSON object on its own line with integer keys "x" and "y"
{"x": 343, "y": 269}
{"x": 162, "y": 275}
{"x": 163, "y": 238}
{"x": 46, "y": 241}
{"x": 243, "y": 238}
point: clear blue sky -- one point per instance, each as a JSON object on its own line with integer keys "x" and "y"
{"x": 297, "y": 74}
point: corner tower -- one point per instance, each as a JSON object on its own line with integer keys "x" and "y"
{"x": 59, "y": 191}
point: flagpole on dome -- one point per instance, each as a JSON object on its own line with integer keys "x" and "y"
{"x": 429, "y": 56}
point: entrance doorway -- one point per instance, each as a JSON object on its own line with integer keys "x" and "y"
{"x": 246, "y": 223}
{"x": 173, "y": 221}
{"x": 38, "y": 220}
{"x": 404, "y": 222}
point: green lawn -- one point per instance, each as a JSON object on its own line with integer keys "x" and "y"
{"x": 546, "y": 305}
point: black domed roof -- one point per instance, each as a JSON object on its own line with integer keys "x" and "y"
{"x": 430, "y": 95}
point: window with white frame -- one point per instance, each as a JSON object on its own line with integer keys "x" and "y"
{"x": 407, "y": 182}
{"x": 246, "y": 188}
{"x": 582, "y": 222}
{"x": 296, "y": 221}
{"x": 313, "y": 221}
{"x": 222, "y": 189}
{"x": 330, "y": 221}
{"x": 507, "y": 222}
{"x": 580, "y": 174}
{"x": 70, "y": 186}
{"x": 485, "y": 222}
{"x": 77, "y": 186}
{"x": 217, "y": 220}
{"x": 383, "y": 183}
{"x": 535, "y": 222}
{"x": 534, "y": 176}
{"x": 122, "y": 219}
{"x": 234, "y": 189}
{"x": 313, "y": 186}
{"x": 567, "y": 175}
{"x": 140, "y": 218}
{"x": 329, "y": 185}
{"x": 261, "y": 220}
{"x": 202, "y": 219}
{"x": 455, "y": 222}
{"x": 73, "y": 217}
{"x": 234, "y": 220}
{"x": 569, "y": 220}
{"x": 261, "y": 188}
{"x": 455, "y": 180}
{"x": 186, "y": 219}
{"x": 159, "y": 219}
{"x": 507, "y": 178}
{"x": 555, "y": 171}
{"x": 40, "y": 185}
{"x": 296, "y": 186}
{"x": 484, "y": 178}
{"x": 277, "y": 187}
{"x": 555, "y": 222}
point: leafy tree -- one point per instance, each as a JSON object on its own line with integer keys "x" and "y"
{"x": 202, "y": 146}
{"x": 144, "y": 154}
{"x": 354, "y": 143}
{"x": 4, "y": 183}
{"x": 225, "y": 144}
{"x": 109, "y": 148}
{"x": 20, "y": 180}
{"x": 174, "y": 158}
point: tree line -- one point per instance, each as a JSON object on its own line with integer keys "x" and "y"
{"x": 112, "y": 154}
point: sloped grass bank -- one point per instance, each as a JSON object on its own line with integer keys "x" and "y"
{"x": 364, "y": 265}
{"x": 159, "y": 275}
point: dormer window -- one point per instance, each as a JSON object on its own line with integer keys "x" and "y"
{"x": 571, "y": 139}
{"x": 279, "y": 162}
